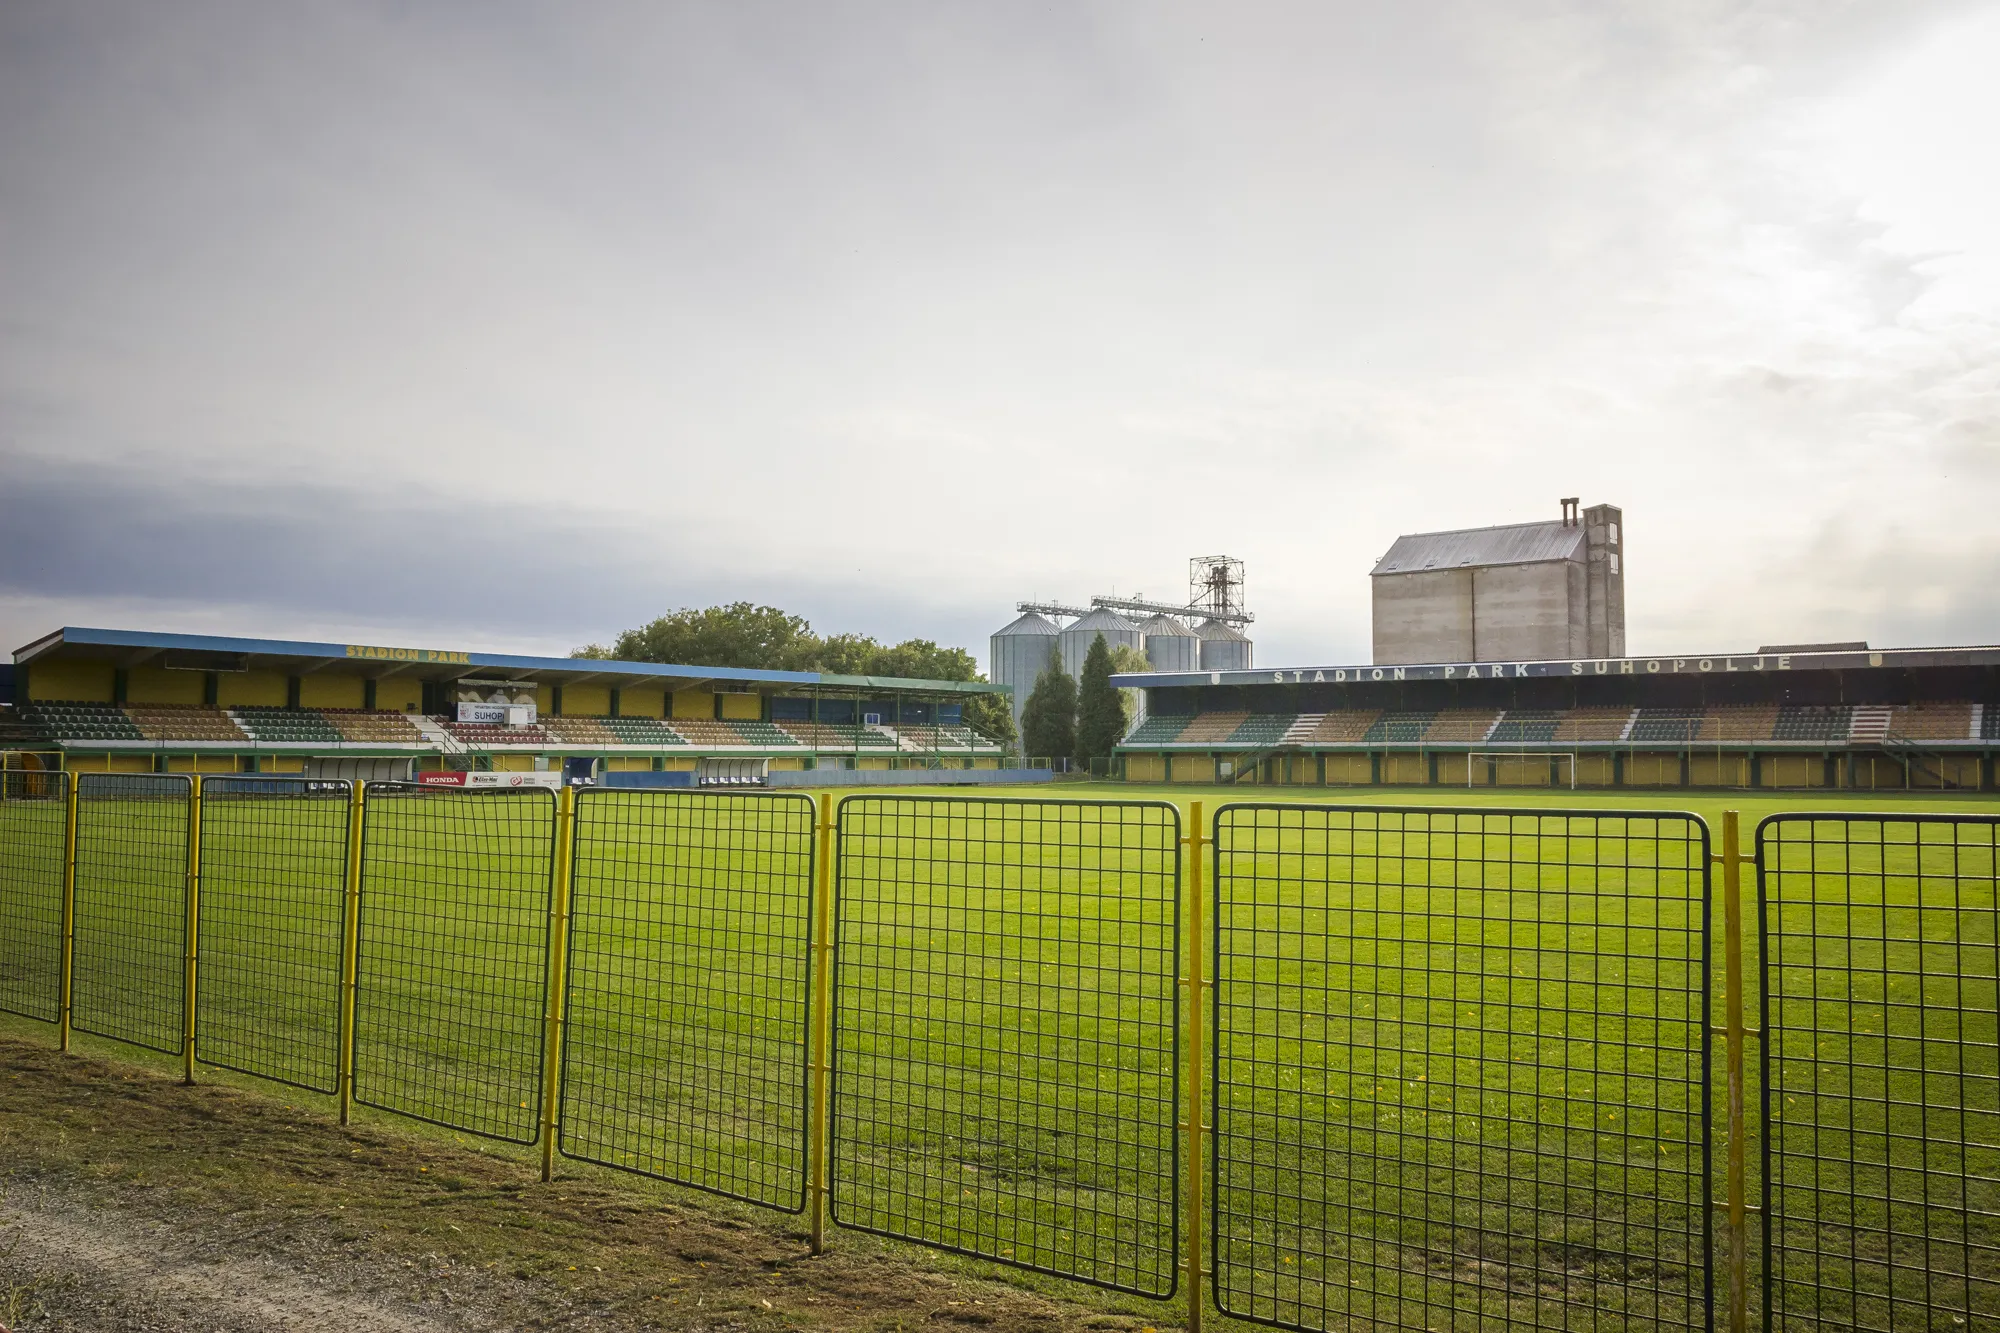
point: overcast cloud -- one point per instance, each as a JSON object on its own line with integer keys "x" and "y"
{"x": 512, "y": 325}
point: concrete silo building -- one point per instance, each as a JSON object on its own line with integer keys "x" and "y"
{"x": 1080, "y": 633}
{"x": 1223, "y": 647}
{"x": 1170, "y": 645}
{"x": 1018, "y": 653}
{"x": 1524, "y": 592}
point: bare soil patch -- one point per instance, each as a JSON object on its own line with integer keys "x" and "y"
{"x": 130, "y": 1202}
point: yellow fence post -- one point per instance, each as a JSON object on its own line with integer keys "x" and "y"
{"x": 350, "y": 947}
{"x": 191, "y": 954}
{"x": 66, "y": 982}
{"x": 558, "y": 976}
{"x": 1734, "y": 1035}
{"x": 1196, "y": 1128}
{"x": 822, "y": 1023}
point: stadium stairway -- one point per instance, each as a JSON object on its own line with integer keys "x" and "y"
{"x": 1302, "y": 729}
{"x": 435, "y": 733}
{"x": 1870, "y": 725}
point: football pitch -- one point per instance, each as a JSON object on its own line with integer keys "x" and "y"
{"x": 1460, "y": 1061}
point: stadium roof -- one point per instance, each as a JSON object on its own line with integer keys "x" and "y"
{"x": 1512, "y": 544}
{"x": 1678, "y": 664}
{"x": 208, "y": 652}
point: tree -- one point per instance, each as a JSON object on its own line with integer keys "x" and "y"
{"x": 1100, "y": 713}
{"x": 1048, "y": 719}
{"x": 767, "y": 639}
{"x": 1127, "y": 661}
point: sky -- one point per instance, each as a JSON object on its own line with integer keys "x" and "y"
{"x": 508, "y": 326}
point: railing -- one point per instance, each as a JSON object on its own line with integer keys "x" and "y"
{"x": 1437, "y": 1068}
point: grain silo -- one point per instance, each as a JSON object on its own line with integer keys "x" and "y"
{"x": 1170, "y": 645}
{"x": 1017, "y": 656}
{"x": 1083, "y": 631}
{"x": 1223, "y": 647}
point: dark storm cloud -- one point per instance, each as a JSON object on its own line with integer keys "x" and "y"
{"x": 388, "y": 555}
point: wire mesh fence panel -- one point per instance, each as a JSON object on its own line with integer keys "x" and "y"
{"x": 129, "y": 918}
{"x": 1881, "y": 1071}
{"x": 1460, "y": 1069}
{"x": 451, "y": 962}
{"x": 686, "y": 1031}
{"x": 34, "y": 844}
{"x": 1006, "y": 1030}
{"x": 270, "y": 928}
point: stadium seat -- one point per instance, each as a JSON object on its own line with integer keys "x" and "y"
{"x": 1740, "y": 722}
{"x": 1348, "y": 726}
{"x": 184, "y": 722}
{"x": 68, "y": 720}
{"x": 1668, "y": 726}
{"x": 1528, "y": 726}
{"x": 836, "y": 736}
{"x": 1259, "y": 730}
{"x": 587, "y": 731}
{"x": 1213, "y": 728}
{"x": 1944, "y": 721}
{"x": 1399, "y": 728}
{"x": 1461, "y": 726}
{"x": 765, "y": 735}
{"x": 373, "y": 727}
{"x": 286, "y": 726}
{"x": 1158, "y": 730}
{"x": 1813, "y": 722}
{"x": 1591, "y": 724}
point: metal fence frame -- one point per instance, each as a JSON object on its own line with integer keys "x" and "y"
{"x": 1230, "y": 1281}
{"x": 711, "y": 1002}
{"x": 1907, "y": 1286}
{"x": 245, "y": 1053}
{"x": 134, "y": 950}
{"x": 31, "y": 965}
{"x": 542, "y": 938}
{"x": 846, "y": 961}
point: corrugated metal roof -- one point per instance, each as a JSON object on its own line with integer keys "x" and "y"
{"x": 1165, "y": 626}
{"x": 1514, "y": 544}
{"x": 1029, "y": 623}
{"x": 1215, "y": 629}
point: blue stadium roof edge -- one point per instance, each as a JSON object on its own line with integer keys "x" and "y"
{"x": 138, "y": 648}
{"x": 1670, "y": 665}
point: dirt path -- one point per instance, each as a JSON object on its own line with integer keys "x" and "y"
{"x": 131, "y": 1203}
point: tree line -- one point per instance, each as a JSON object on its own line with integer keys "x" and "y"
{"x": 764, "y": 638}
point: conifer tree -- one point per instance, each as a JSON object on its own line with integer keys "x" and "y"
{"x": 1048, "y": 719}
{"x": 1100, "y": 713}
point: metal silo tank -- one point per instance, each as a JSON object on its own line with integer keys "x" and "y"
{"x": 1083, "y": 631}
{"x": 1223, "y": 647}
{"x": 1170, "y": 645}
{"x": 1018, "y": 654}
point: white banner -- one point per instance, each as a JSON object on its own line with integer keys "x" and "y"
{"x": 498, "y": 715}
{"x": 550, "y": 780}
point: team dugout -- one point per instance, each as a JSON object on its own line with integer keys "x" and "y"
{"x": 120, "y": 701}
{"x": 1817, "y": 716}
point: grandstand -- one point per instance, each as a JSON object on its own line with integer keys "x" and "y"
{"x": 1832, "y": 717}
{"x": 131, "y": 702}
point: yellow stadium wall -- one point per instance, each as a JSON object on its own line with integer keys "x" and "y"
{"x": 1348, "y": 770}
{"x": 1652, "y": 770}
{"x": 1718, "y": 770}
{"x": 201, "y": 763}
{"x": 1593, "y": 770}
{"x": 109, "y": 763}
{"x": 1194, "y": 768}
{"x": 677, "y": 765}
{"x": 282, "y": 763}
{"x": 1144, "y": 768}
{"x": 85, "y": 682}
{"x": 742, "y": 707}
{"x": 1792, "y": 770}
{"x": 628, "y": 763}
{"x": 545, "y": 700}
{"x": 513, "y": 763}
{"x": 586, "y": 700}
{"x": 254, "y": 689}
{"x": 640, "y": 703}
{"x": 787, "y": 765}
{"x": 869, "y": 762}
{"x": 694, "y": 703}
{"x": 1405, "y": 769}
{"x": 333, "y": 692}
{"x": 986, "y": 763}
{"x": 157, "y": 685}
{"x": 397, "y": 695}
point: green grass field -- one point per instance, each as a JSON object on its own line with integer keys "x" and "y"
{"x": 1458, "y": 1058}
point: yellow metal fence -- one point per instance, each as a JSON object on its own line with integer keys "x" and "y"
{"x": 1299, "y": 1065}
